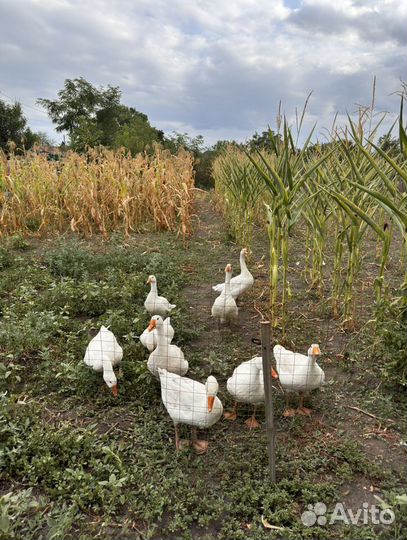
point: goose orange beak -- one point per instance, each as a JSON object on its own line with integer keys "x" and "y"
{"x": 148, "y": 281}
{"x": 316, "y": 350}
{"x": 211, "y": 401}
{"x": 115, "y": 390}
{"x": 274, "y": 373}
{"x": 152, "y": 325}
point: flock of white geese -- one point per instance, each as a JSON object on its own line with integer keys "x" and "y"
{"x": 191, "y": 402}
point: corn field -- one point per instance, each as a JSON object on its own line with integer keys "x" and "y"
{"x": 239, "y": 193}
{"x": 338, "y": 193}
{"x": 97, "y": 192}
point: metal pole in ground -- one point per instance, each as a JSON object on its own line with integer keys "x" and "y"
{"x": 268, "y": 398}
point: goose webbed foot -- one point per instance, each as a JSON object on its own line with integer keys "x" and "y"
{"x": 252, "y": 423}
{"x": 231, "y": 415}
{"x": 200, "y": 446}
{"x": 180, "y": 444}
{"x": 304, "y": 411}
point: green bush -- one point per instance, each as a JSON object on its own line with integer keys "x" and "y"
{"x": 18, "y": 243}
{"x": 5, "y": 258}
{"x": 31, "y": 333}
{"x": 391, "y": 343}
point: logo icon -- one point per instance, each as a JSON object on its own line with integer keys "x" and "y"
{"x": 315, "y": 515}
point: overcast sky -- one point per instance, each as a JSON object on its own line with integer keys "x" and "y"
{"x": 208, "y": 67}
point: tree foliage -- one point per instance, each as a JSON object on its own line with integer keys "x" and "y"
{"x": 77, "y": 101}
{"x": 177, "y": 140}
{"x": 389, "y": 144}
{"x": 132, "y": 129}
{"x": 266, "y": 140}
{"x": 94, "y": 116}
{"x": 13, "y": 128}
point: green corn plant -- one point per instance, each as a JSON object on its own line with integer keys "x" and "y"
{"x": 357, "y": 173}
{"x": 359, "y": 220}
{"x": 284, "y": 172}
{"x": 239, "y": 192}
{"x": 389, "y": 192}
{"x": 340, "y": 239}
{"x": 397, "y": 212}
{"x": 347, "y": 166}
{"x": 317, "y": 216}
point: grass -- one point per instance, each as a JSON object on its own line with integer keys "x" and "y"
{"x": 76, "y": 463}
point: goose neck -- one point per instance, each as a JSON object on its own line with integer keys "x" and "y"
{"x": 153, "y": 285}
{"x": 107, "y": 365}
{"x": 243, "y": 266}
{"x": 227, "y": 283}
{"x": 312, "y": 359}
{"x": 161, "y": 340}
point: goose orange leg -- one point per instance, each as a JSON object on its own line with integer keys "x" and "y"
{"x": 200, "y": 446}
{"x": 252, "y": 422}
{"x": 301, "y": 409}
{"x": 288, "y": 410}
{"x": 180, "y": 444}
{"x": 232, "y": 415}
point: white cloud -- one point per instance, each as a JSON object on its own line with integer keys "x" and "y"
{"x": 214, "y": 68}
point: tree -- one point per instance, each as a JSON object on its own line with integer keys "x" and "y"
{"x": 86, "y": 133}
{"x": 79, "y": 100}
{"x": 265, "y": 140}
{"x": 177, "y": 140}
{"x": 44, "y": 139}
{"x": 94, "y": 116}
{"x": 389, "y": 144}
{"x": 137, "y": 134}
{"x": 220, "y": 146}
{"x": 13, "y": 128}
{"x": 125, "y": 126}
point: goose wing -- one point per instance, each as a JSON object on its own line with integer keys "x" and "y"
{"x": 184, "y": 399}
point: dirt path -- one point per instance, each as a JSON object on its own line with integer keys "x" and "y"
{"x": 211, "y": 250}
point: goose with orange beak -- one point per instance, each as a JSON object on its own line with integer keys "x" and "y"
{"x": 154, "y": 304}
{"x": 298, "y": 373}
{"x": 240, "y": 283}
{"x": 165, "y": 355}
{"x": 190, "y": 402}
{"x": 224, "y": 308}
{"x": 102, "y": 354}
{"x": 149, "y": 337}
{"x": 246, "y": 385}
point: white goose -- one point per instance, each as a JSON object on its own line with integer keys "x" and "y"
{"x": 154, "y": 304}
{"x": 298, "y": 373}
{"x": 240, "y": 283}
{"x": 224, "y": 308}
{"x": 149, "y": 339}
{"x": 246, "y": 386}
{"x": 165, "y": 355}
{"x": 190, "y": 402}
{"x": 102, "y": 354}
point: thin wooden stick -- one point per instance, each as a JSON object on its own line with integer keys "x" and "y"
{"x": 268, "y": 397}
{"x": 368, "y": 414}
